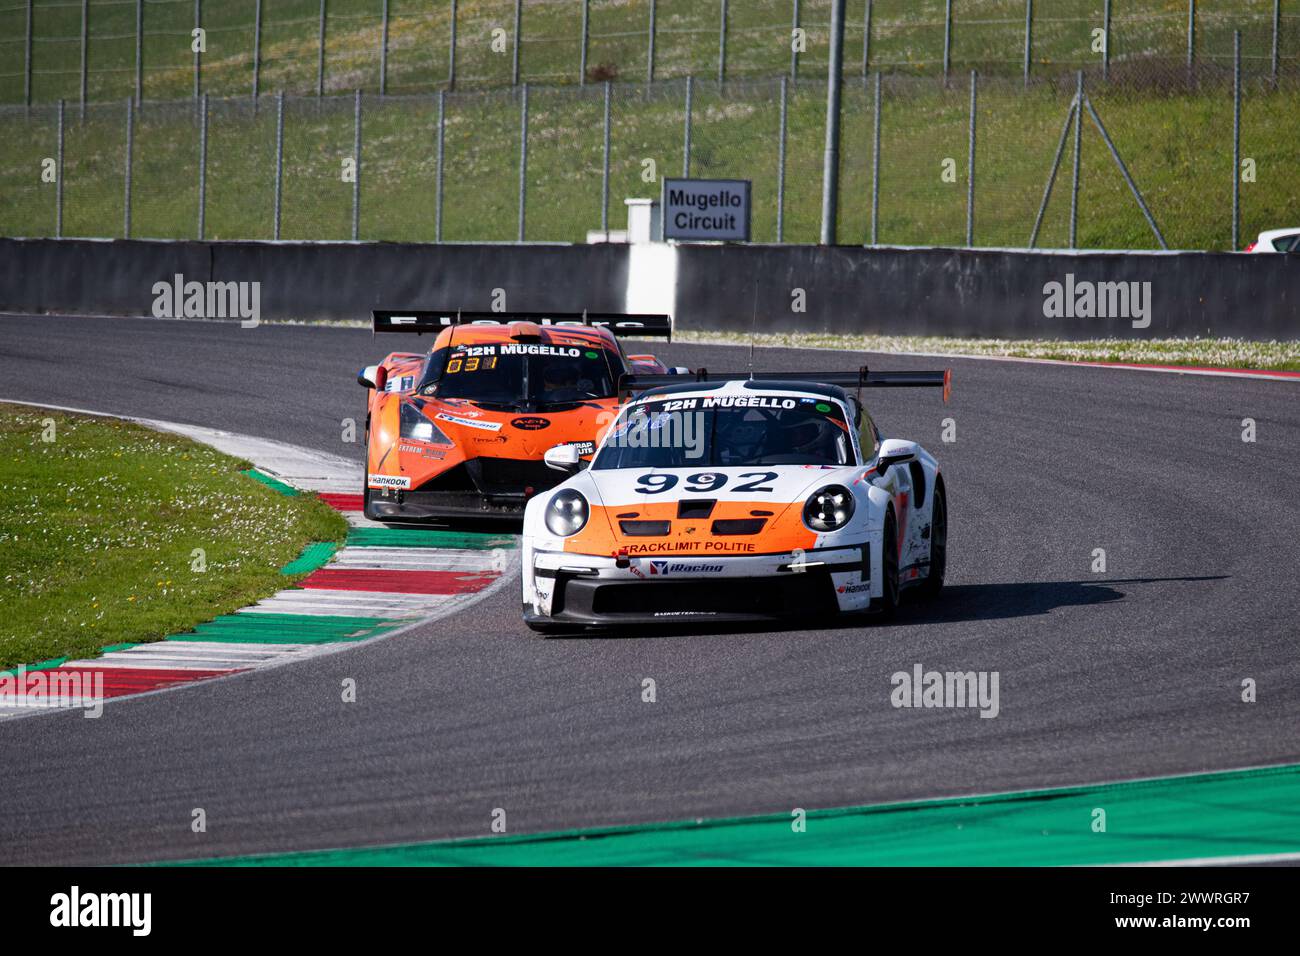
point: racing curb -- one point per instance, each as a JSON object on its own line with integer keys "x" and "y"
{"x": 380, "y": 583}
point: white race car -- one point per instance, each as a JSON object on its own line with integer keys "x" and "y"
{"x": 737, "y": 498}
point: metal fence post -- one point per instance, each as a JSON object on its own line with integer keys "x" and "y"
{"x": 198, "y": 57}
{"x": 279, "y": 159}
{"x": 1029, "y": 37}
{"x": 139, "y": 51}
{"x": 831, "y": 153}
{"x": 1105, "y": 41}
{"x": 130, "y": 144}
{"x": 1078, "y": 145}
{"x": 523, "y": 158}
{"x": 26, "y": 81}
{"x": 970, "y": 165}
{"x": 866, "y": 43}
{"x": 1277, "y": 26}
{"x": 1236, "y": 137}
{"x": 85, "y": 39}
{"x": 780, "y": 162}
{"x": 947, "y": 39}
{"x": 875, "y": 166}
{"x": 794, "y": 53}
{"x": 451, "y": 52}
{"x": 1071, "y": 114}
{"x": 320, "y": 52}
{"x": 519, "y": 23}
{"x": 203, "y": 164}
{"x": 582, "y": 53}
{"x": 58, "y": 188}
{"x": 1123, "y": 171}
{"x": 1191, "y": 37}
{"x": 437, "y": 190}
{"x": 722, "y": 44}
{"x": 383, "y": 53}
{"x": 604, "y": 182}
{"x": 356, "y": 158}
{"x": 686, "y": 142}
{"x": 257, "y": 50}
{"x": 650, "y": 48}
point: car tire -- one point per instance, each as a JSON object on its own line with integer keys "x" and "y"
{"x": 365, "y": 479}
{"x": 885, "y": 605}
{"x": 933, "y": 583}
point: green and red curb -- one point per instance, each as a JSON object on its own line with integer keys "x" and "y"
{"x": 1227, "y": 817}
{"x": 381, "y": 580}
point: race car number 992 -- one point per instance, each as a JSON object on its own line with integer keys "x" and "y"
{"x": 706, "y": 481}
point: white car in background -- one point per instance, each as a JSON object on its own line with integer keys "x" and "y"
{"x": 1277, "y": 240}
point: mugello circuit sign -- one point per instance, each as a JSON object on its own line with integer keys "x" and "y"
{"x": 709, "y": 209}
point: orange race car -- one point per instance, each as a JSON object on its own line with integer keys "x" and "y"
{"x": 460, "y": 430}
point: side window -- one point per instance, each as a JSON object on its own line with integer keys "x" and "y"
{"x": 868, "y": 436}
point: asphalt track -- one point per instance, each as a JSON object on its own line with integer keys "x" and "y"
{"x": 1130, "y": 673}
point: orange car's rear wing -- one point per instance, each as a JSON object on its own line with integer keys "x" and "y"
{"x": 420, "y": 321}
{"x": 862, "y": 378}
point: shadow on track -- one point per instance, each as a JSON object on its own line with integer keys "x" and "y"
{"x": 957, "y": 603}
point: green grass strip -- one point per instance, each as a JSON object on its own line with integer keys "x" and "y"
{"x": 422, "y": 538}
{"x": 1232, "y": 813}
{"x": 315, "y": 555}
{"x": 287, "y": 490}
{"x": 42, "y": 666}
{"x": 253, "y": 628}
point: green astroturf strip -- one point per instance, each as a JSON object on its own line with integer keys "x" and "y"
{"x": 1233, "y": 813}
{"x": 286, "y": 629}
{"x": 42, "y": 666}
{"x": 270, "y": 482}
{"x": 315, "y": 555}
{"x": 422, "y": 538}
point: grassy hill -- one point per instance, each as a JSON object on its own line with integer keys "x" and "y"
{"x": 907, "y": 36}
{"x": 1175, "y": 138}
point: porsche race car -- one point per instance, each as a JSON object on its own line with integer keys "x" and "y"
{"x": 730, "y": 498}
{"x": 460, "y": 430}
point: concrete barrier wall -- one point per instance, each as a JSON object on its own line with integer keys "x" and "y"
{"x": 310, "y": 281}
{"x": 984, "y": 293}
{"x": 714, "y": 287}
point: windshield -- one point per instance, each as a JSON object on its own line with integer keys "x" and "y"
{"x": 520, "y": 375}
{"x": 728, "y": 430}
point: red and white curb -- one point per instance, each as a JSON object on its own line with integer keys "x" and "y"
{"x": 375, "y": 588}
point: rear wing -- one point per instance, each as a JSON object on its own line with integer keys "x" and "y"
{"x": 420, "y": 321}
{"x": 862, "y": 378}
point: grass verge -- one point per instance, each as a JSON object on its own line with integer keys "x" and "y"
{"x": 104, "y": 526}
{"x": 1207, "y": 353}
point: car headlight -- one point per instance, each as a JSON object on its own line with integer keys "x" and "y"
{"x": 829, "y": 509}
{"x": 416, "y": 426}
{"x": 566, "y": 513}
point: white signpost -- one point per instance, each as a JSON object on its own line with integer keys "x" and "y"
{"x": 712, "y": 210}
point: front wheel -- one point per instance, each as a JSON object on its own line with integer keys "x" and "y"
{"x": 933, "y": 583}
{"x": 887, "y": 603}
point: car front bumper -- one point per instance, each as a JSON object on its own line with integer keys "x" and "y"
{"x": 577, "y": 589}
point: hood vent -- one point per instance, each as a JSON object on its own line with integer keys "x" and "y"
{"x": 700, "y": 508}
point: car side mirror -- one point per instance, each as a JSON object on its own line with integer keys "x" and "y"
{"x": 894, "y": 451}
{"x": 563, "y": 458}
{"x": 373, "y": 376}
